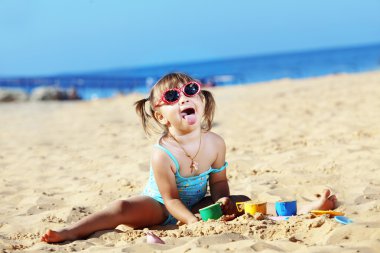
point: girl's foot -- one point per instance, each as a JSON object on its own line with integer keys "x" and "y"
{"x": 326, "y": 202}
{"x": 52, "y": 236}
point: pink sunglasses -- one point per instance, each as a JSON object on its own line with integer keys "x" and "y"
{"x": 172, "y": 96}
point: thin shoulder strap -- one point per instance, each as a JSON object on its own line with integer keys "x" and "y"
{"x": 170, "y": 155}
{"x": 216, "y": 170}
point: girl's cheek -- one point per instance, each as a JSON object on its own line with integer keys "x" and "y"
{"x": 201, "y": 105}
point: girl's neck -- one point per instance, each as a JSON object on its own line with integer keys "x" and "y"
{"x": 187, "y": 137}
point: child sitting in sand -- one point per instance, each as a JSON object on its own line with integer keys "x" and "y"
{"x": 187, "y": 157}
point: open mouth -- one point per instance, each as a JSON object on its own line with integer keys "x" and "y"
{"x": 187, "y": 111}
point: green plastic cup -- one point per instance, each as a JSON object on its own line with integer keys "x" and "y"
{"x": 211, "y": 212}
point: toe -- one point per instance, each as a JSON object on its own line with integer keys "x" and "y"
{"x": 333, "y": 200}
{"x": 326, "y": 193}
{"x": 43, "y": 238}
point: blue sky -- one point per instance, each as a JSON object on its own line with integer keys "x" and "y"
{"x": 42, "y": 37}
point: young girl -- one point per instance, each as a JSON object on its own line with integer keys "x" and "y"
{"x": 187, "y": 157}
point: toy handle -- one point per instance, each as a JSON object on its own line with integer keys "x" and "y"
{"x": 239, "y": 206}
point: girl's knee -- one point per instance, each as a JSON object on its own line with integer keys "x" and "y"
{"x": 120, "y": 206}
{"x": 240, "y": 198}
{"x": 245, "y": 198}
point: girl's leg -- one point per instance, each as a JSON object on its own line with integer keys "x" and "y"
{"x": 136, "y": 212}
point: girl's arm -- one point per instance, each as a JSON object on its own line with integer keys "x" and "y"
{"x": 165, "y": 179}
{"x": 219, "y": 188}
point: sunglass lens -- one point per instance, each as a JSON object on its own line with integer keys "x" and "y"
{"x": 171, "y": 95}
{"x": 191, "y": 89}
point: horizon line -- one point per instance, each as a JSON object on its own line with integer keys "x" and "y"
{"x": 262, "y": 55}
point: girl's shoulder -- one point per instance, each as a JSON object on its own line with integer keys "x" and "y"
{"x": 162, "y": 158}
{"x": 160, "y": 151}
{"x": 214, "y": 138}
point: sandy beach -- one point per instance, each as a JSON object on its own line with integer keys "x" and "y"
{"x": 60, "y": 161}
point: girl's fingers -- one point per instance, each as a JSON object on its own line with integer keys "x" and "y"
{"x": 228, "y": 217}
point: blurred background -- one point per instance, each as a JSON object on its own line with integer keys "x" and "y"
{"x": 87, "y": 49}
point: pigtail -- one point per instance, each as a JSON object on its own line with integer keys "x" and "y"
{"x": 209, "y": 109}
{"x": 144, "y": 115}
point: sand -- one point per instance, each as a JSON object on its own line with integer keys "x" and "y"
{"x": 60, "y": 161}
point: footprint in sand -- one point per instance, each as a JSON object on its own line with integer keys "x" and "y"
{"x": 366, "y": 198}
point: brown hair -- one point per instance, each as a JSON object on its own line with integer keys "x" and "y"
{"x": 169, "y": 81}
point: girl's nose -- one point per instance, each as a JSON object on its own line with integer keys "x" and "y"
{"x": 183, "y": 99}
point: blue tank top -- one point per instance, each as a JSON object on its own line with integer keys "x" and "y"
{"x": 190, "y": 189}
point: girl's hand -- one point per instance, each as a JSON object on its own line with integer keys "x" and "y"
{"x": 227, "y": 205}
{"x": 193, "y": 220}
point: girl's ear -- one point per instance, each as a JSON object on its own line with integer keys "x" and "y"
{"x": 160, "y": 118}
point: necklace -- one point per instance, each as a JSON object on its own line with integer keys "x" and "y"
{"x": 194, "y": 164}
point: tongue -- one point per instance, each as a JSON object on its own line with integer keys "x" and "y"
{"x": 191, "y": 119}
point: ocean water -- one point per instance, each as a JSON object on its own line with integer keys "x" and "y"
{"x": 242, "y": 70}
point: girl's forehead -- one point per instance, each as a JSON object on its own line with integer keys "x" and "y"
{"x": 170, "y": 85}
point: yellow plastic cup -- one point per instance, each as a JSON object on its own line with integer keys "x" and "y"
{"x": 252, "y": 207}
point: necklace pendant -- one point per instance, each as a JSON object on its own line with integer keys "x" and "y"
{"x": 194, "y": 166}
